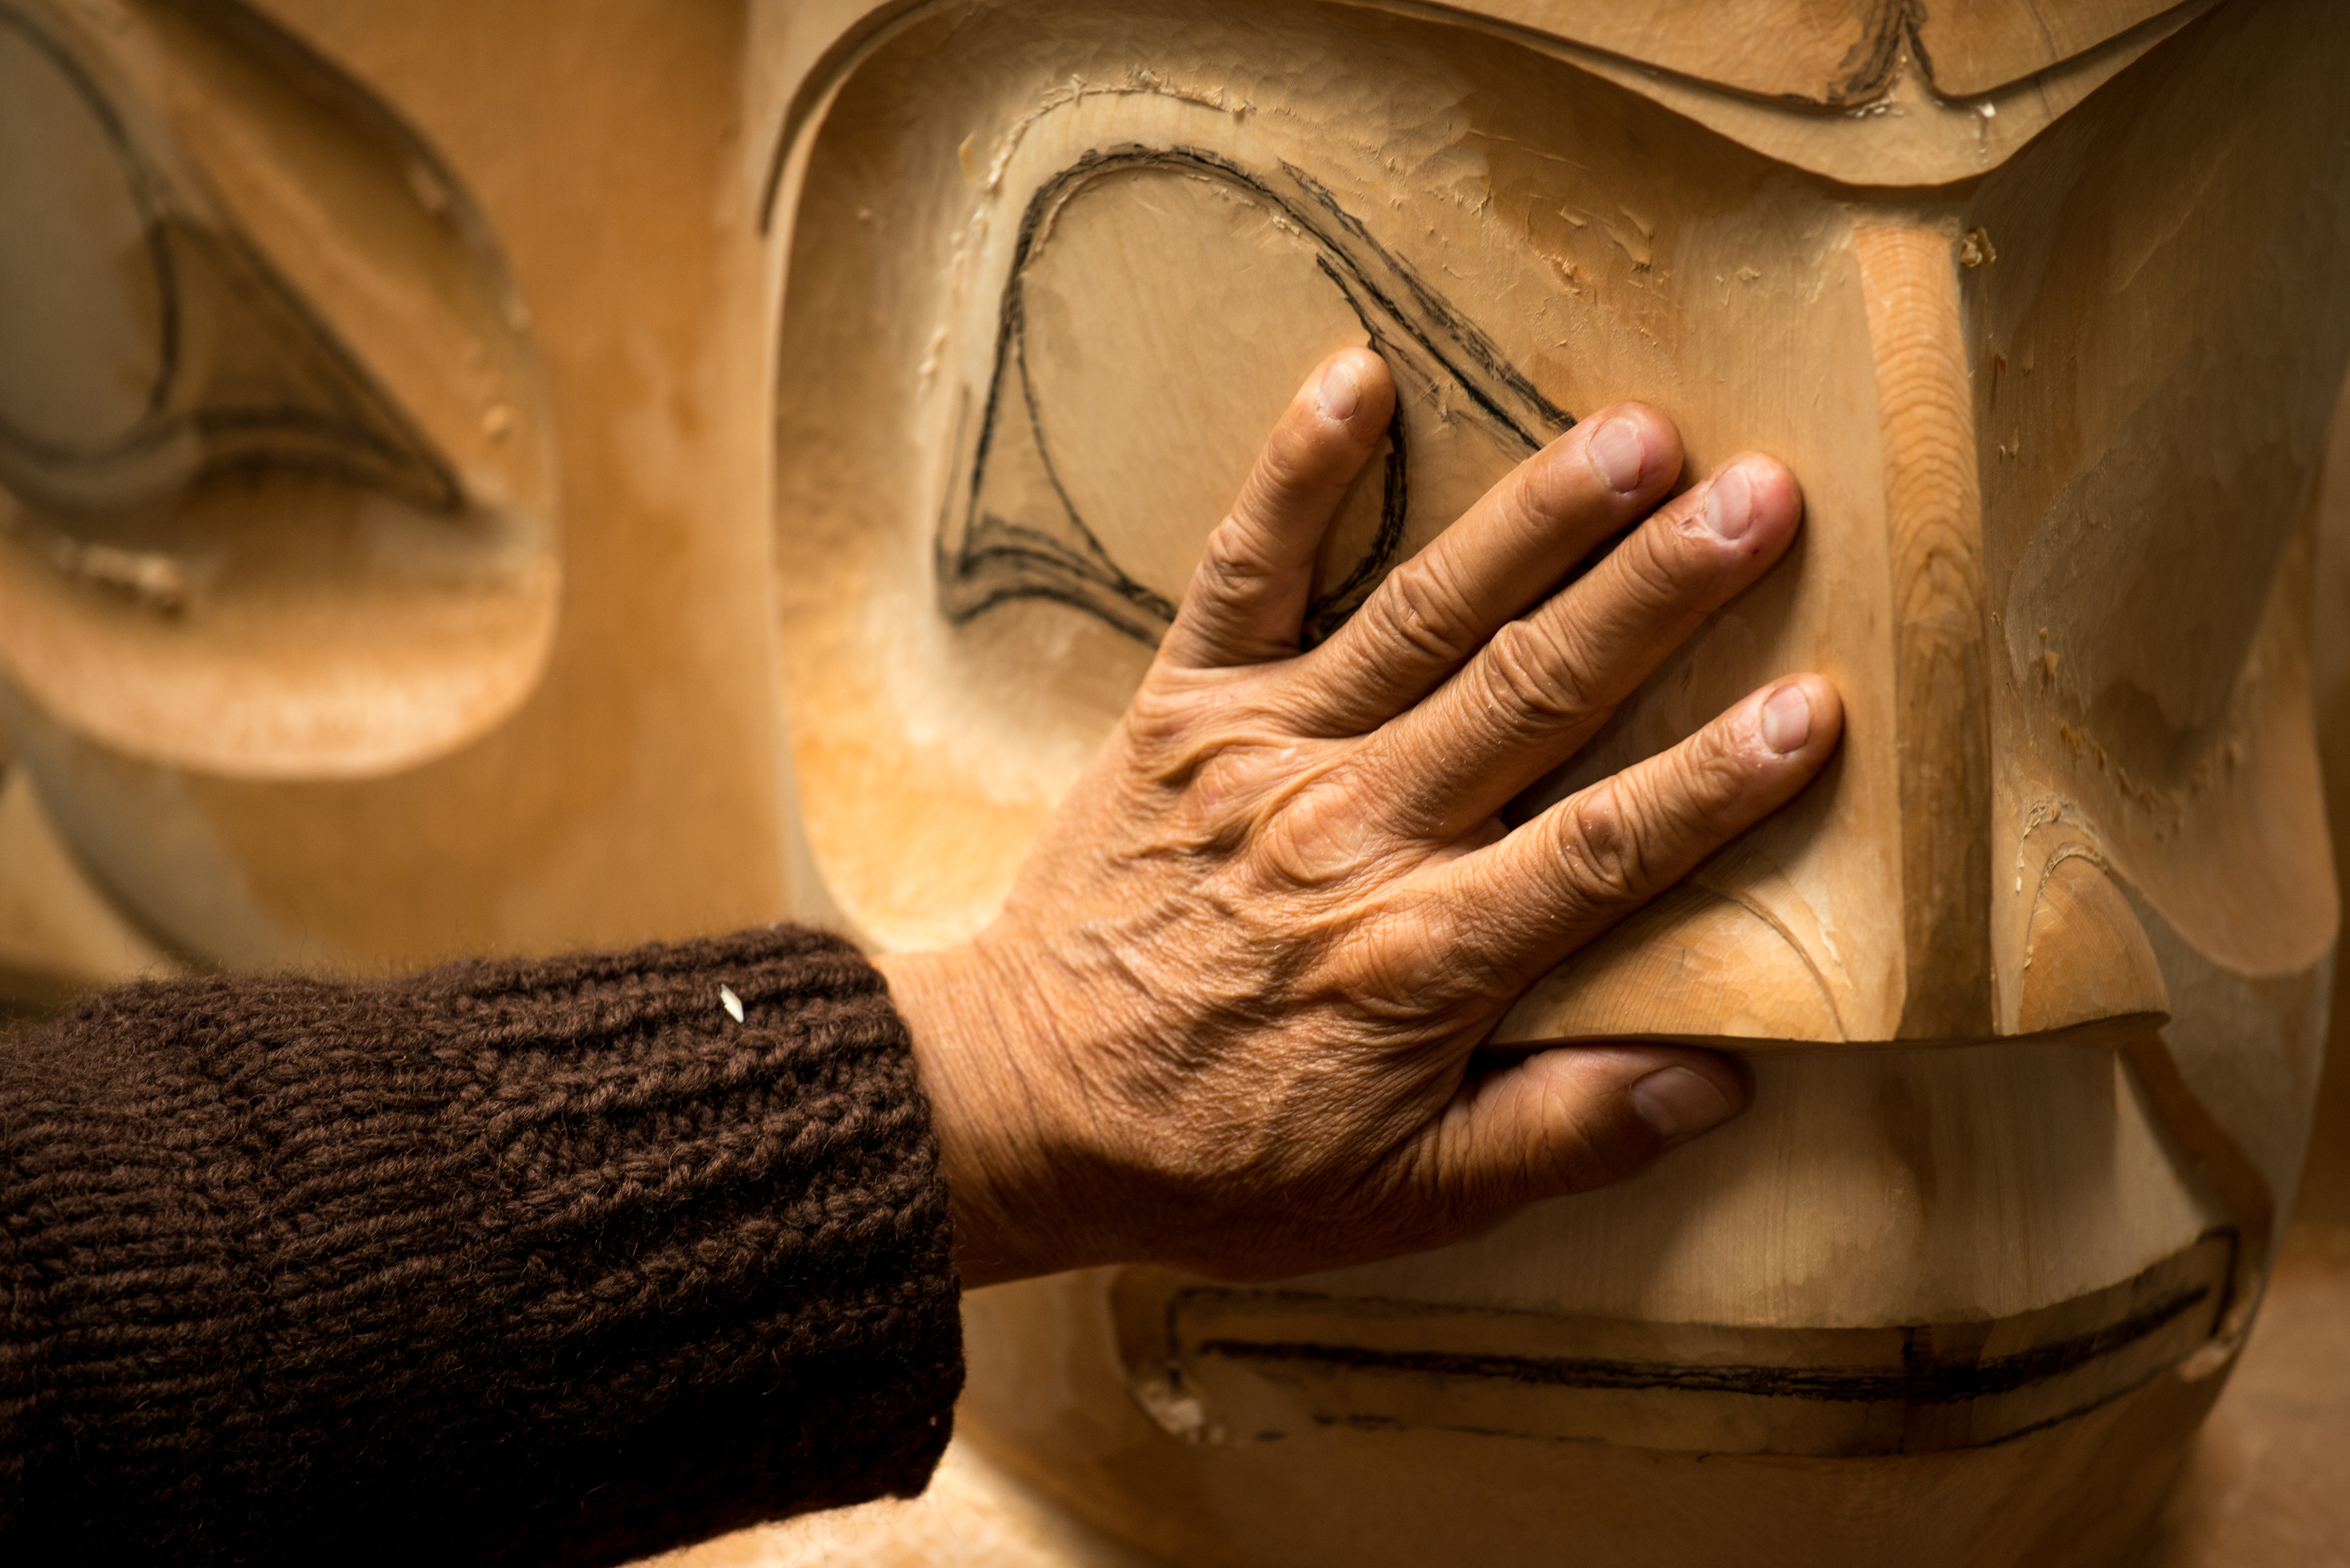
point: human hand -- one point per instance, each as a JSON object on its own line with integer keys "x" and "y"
{"x": 1229, "y": 1016}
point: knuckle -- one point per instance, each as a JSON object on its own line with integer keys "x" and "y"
{"x": 1384, "y": 982}
{"x": 1600, "y": 841}
{"x": 1154, "y": 726}
{"x": 1318, "y": 835}
{"x": 1456, "y": 948}
{"x": 1235, "y": 555}
{"x": 1535, "y": 675}
{"x": 1221, "y": 784}
{"x": 1678, "y": 807}
{"x": 1424, "y": 607}
{"x": 1701, "y": 783}
{"x": 1657, "y": 568}
{"x": 1583, "y": 1154}
{"x": 1716, "y": 765}
{"x": 1165, "y": 710}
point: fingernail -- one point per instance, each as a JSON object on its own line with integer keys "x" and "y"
{"x": 1339, "y": 392}
{"x": 1787, "y": 720}
{"x": 1678, "y": 1104}
{"x": 1618, "y": 452}
{"x": 1730, "y": 505}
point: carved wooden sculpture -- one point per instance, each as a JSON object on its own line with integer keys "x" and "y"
{"x": 400, "y": 574}
{"x": 384, "y": 544}
{"x": 2034, "y": 985}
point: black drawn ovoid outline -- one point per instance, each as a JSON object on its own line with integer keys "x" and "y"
{"x": 349, "y": 445}
{"x": 984, "y": 559}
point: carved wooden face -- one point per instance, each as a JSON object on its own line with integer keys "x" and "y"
{"x": 1043, "y": 301}
{"x": 2051, "y": 339}
{"x": 289, "y": 504}
{"x": 261, "y": 367}
{"x": 439, "y": 443}
{"x": 383, "y": 452}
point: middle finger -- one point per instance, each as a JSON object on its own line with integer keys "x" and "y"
{"x": 1547, "y": 681}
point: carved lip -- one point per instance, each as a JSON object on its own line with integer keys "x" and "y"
{"x": 1244, "y": 1366}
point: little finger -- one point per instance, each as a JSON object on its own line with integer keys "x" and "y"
{"x": 1560, "y": 880}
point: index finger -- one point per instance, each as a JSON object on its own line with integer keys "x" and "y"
{"x": 1247, "y": 598}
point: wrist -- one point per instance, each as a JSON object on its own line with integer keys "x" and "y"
{"x": 968, "y": 1034}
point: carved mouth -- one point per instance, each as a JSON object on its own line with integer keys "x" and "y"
{"x": 1231, "y": 1366}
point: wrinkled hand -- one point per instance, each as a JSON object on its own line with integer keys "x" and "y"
{"x": 1229, "y": 1017}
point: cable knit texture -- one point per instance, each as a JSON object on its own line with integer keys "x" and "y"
{"x": 528, "y": 1262}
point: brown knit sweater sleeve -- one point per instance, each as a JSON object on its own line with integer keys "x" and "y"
{"x": 512, "y": 1262}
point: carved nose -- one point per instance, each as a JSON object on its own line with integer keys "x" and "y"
{"x": 1900, "y": 946}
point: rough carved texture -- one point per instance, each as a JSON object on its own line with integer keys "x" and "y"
{"x": 517, "y": 1262}
{"x": 2052, "y": 400}
{"x": 2101, "y": 255}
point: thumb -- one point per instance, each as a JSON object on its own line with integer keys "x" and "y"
{"x": 1575, "y": 1119}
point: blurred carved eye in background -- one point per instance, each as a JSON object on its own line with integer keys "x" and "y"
{"x": 271, "y": 436}
{"x": 1155, "y": 296}
{"x": 142, "y": 342}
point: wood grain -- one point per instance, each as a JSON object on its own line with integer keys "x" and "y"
{"x": 2034, "y": 980}
{"x": 1909, "y": 278}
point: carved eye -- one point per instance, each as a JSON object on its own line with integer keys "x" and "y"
{"x": 273, "y": 476}
{"x": 141, "y": 341}
{"x": 1138, "y": 274}
{"x": 85, "y": 332}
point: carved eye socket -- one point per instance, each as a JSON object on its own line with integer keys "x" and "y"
{"x": 143, "y": 343}
{"x": 84, "y": 330}
{"x": 275, "y": 476}
{"x": 1027, "y": 356}
{"x": 1092, "y": 476}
